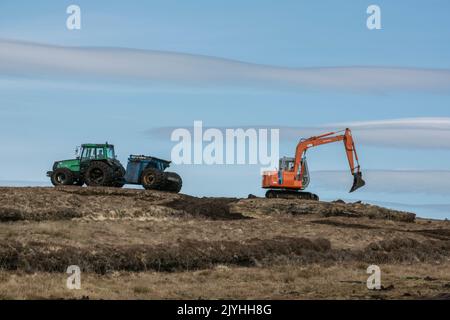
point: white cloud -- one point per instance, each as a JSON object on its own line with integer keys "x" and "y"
{"x": 412, "y": 123}
{"x": 160, "y": 68}
{"x": 398, "y": 133}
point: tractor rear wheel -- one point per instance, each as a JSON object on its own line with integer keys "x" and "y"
{"x": 119, "y": 174}
{"x": 99, "y": 174}
{"x": 173, "y": 182}
{"x": 62, "y": 177}
{"x": 152, "y": 179}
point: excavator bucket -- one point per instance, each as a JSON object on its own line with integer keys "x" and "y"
{"x": 358, "y": 181}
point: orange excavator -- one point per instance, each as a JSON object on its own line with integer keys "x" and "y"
{"x": 293, "y": 176}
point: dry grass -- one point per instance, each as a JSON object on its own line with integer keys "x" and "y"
{"x": 166, "y": 230}
{"x": 222, "y": 282}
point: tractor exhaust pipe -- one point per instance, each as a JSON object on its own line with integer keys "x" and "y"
{"x": 358, "y": 181}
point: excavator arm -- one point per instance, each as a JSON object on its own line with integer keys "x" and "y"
{"x": 331, "y": 137}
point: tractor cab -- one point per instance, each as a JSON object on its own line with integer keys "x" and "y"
{"x": 90, "y": 152}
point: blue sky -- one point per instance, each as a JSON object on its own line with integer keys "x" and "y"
{"x": 45, "y": 111}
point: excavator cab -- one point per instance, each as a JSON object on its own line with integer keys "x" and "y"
{"x": 286, "y": 164}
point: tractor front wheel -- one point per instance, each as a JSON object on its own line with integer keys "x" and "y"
{"x": 152, "y": 179}
{"x": 99, "y": 174}
{"x": 62, "y": 177}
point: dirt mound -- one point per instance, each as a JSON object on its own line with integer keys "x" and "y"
{"x": 64, "y": 203}
{"x": 214, "y": 208}
{"x": 100, "y": 203}
{"x": 325, "y": 209}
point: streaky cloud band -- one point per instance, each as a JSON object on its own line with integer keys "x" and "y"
{"x": 404, "y": 133}
{"x": 148, "y": 67}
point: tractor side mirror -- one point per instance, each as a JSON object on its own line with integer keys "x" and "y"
{"x": 77, "y": 152}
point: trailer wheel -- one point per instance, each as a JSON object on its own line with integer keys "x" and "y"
{"x": 173, "y": 182}
{"x": 62, "y": 177}
{"x": 152, "y": 179}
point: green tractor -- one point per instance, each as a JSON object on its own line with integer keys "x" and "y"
{"x": 95, "y": 165}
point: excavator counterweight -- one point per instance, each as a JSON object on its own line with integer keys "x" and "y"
{"x": 292, "y": 175}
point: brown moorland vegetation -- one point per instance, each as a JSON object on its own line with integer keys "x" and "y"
{"x": 142, "y": 244}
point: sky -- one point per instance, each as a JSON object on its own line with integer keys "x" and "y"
{"x": 137, "y": 70}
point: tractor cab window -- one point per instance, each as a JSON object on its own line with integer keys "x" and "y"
{"x": 88, "y": 153}
{"x": 100, "y": 154}
{"x": 92, "y": 153}
{"x": 110, "y": 153}
{"x": 85, "y": 154}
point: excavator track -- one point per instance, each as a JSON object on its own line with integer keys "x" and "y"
{"x": 290, "y": 194}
